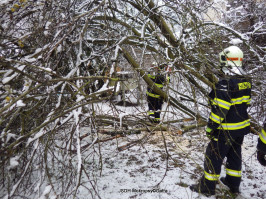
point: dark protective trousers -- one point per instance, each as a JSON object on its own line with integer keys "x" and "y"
{"x": 155, "y": 105}
{"x": 215, "y": 153}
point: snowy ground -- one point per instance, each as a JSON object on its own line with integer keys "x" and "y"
{"x": 145, "y": 171}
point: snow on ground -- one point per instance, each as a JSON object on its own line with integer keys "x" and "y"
{"x": 144, "y": 170}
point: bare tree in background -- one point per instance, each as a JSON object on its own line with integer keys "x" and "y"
{"x": 57, "y": 59}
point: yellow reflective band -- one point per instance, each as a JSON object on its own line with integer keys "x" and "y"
{"x": 150, "y": 113}
{"x": 211, "y": 177}
{"x": 263, "y": 136}
{"x": 159, "y": 85}
{"x": 153, "y": 95}
{"x": 244, "y": 85}
{"x": 221, "y": 103}
{"x": 216, "y": 118}
{"x": 234, "y": 173}
{"x": 234, "y": 126}
{"x": 151, "y": 76}
{"x": 244, "y": 99}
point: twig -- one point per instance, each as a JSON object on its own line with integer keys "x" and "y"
{"x": 99, "y": 141}
{"x": 191, "y": 127}
{"x": 149, "y": 129}
{"x": 167, "y": 160}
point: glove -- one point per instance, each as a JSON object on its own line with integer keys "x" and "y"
{"x": 261, "y": 158}
{"x": 209, "y": 133}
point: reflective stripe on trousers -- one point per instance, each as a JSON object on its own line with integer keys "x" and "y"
{"x": 211, "y": 177}
{"x": 234, "y": 173}
{"x": 150, "y": 113}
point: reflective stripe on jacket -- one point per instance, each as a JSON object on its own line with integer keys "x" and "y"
{"x": 159, "y": 81}
{"x": 229, "y": 102}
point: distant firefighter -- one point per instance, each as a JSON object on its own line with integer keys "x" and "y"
{"x": 155, "y": 101}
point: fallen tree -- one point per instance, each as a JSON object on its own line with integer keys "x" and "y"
{"x": 57, "y": 59}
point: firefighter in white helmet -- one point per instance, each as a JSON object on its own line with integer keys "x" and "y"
{"x": 231, "y": 60}
{"x": 228, "y": 123}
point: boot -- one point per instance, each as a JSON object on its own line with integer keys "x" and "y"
{"x": 204, "y": 191}
{"x": 234, "y": 190}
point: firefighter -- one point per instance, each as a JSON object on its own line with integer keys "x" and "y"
{"x": 261, "y": 153}
{"x": 155, "y": 101}
{"x": 228, "y": 123}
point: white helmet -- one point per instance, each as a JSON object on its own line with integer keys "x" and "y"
{"x": 231, "y": 60}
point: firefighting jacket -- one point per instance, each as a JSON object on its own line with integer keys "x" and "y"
{"x": 159, "y": 80}
{"x": 229, "y": 101}
{"x": 262, "y": 140}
